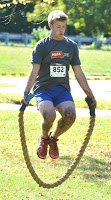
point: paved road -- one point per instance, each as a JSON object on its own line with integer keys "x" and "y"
{"x": 79, "y": 111}
{"x": 100, "y": 88}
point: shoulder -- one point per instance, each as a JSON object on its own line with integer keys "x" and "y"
{"x": 71, "y": 42}
{"x": 42, "y": 43}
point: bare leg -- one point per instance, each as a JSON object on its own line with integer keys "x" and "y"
{"x": 67, "y": 110}
{"x": 48, "y": 113}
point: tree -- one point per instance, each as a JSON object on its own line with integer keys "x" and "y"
{"x": 8, "y": 3}
{"x": 43, "y": 8}
{"x": 88, "y": 16}
{"x": 8, "y": 8}
{"x": 93, "y": 16}
{"x": 13, "y": 19}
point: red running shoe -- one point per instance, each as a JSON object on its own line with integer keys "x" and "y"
{"x": 42, "y": 147}
{"x": 53, "y": 150}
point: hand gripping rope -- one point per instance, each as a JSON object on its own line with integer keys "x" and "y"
{"x": 74, "y": 163}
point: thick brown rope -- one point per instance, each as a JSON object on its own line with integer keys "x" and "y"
{"x": 71, "y": 167}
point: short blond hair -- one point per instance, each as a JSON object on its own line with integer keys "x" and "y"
{"x": 57, "y": 15}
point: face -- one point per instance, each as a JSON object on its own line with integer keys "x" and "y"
{"x": 58, "y": 30}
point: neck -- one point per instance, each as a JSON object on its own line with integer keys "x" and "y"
{"x": 56, "y": 38}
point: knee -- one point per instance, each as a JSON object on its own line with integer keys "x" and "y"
{"x": 70, "y": 115}
{"x": 49, "y": 116}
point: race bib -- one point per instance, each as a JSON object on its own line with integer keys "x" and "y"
{"x": 57, "y": 70}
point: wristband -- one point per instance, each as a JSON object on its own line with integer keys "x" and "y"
{"x": 26, "y": 93}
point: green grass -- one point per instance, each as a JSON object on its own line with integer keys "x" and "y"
{"x": 13, "y": 98}
{"x": 17, "y": 59}
{"x": 91, "y": 180}
{"x": 6, "y": 85}
{"x": 101, "y": 104}
{"x": 79, "y": 103}
{"x": 95, "y": 62}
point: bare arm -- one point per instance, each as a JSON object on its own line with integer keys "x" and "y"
{"x": 31, "y": 80}
{"x": 83, "y": 82}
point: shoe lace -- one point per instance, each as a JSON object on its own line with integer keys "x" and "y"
{"x": 44, "y": 142}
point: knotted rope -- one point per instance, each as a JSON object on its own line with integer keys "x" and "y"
{"x": 74, "y": 163}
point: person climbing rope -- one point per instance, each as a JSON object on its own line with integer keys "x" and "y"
{"x": 49, "y": 77}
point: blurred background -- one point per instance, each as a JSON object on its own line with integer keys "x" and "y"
{"x": 89, "y": 19}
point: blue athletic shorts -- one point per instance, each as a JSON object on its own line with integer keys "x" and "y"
{"x": 55, "y": 94}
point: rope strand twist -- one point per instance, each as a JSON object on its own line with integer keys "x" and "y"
{"x": 71, "y": 167}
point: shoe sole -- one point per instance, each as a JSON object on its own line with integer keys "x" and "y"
{"x": 41, "y": 157}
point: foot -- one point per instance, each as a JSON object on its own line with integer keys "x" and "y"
{"x": 53, "y": 149}
{"x": 42, "y": 147}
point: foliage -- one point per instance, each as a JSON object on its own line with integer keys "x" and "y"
{"x": 9, "y": 3}
{"x": 13, "y": 19}
{"x": 86, "y": 16}
{"x": 96, "y": 16}
{"x": 100, "y": 42}
{"x": 39, "y": 34}
{"x": 43, "y": 8}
